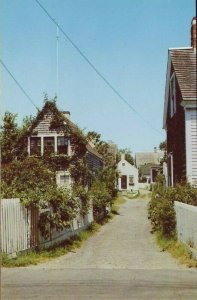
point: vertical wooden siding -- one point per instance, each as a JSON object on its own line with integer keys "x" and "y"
{"x": 14, "y": 226}
{"x": 18, "y": 226}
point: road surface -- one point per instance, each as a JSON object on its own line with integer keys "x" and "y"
{"x": 121, "y": 261}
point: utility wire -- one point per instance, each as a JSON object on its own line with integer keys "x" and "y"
{"x": 19, "y": 85}
{"x": 94, "y": 67}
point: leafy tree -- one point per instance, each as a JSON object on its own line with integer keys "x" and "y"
{"x": 9, "y": 136}
{"x": 128, "y": 155}
{"x": 108, "y": 173}
{"x": 32, "y": 179}
{"x": 163, "y": 146}
{"x": 93, "y": 137}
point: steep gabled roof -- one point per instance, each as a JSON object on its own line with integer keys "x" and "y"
{"x": 184, "y": 63}
{"x": 144, "y": 158}
{"x": 50, "y": 106}
{"x": 93, "y": 151}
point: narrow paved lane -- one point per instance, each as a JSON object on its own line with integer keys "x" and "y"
{"x": 123, "y": 243}
{"x": 121, "y": 261}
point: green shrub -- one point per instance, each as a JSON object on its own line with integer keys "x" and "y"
{"x": 161, "y": 206}
{"x": 101, "y": 198}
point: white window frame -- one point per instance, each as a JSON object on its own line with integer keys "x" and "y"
{"x": 55, "y": 143}
{"x": 131, "y": 182}
{"x": 63, "y": 173}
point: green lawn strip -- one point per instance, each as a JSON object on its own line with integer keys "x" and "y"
{"x": 40, "y": 256}
{"x": 138, "y": 195}
{"x": 177, "y": 250}
{"x": 120, "y": 199}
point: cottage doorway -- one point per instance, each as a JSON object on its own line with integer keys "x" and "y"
{"x": 123, "y": 182}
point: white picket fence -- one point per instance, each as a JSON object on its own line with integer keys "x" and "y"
{"x": 19, "y": 228}
{"x": 15, "y": 226}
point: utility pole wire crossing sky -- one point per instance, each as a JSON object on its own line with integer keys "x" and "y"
{"x": 18, "y": 84}
{"x": 95, "y": 69}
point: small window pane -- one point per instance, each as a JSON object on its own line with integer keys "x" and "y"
{"x": 35, "y": 146}
{"x": 131, "y": 180}
{"x": 62, "y": 145}
{"x": 49, "y": 145}
{"x": 64, "y": 180}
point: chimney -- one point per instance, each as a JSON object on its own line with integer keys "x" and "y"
{"x": 66, "y": 114}
{"x": 193, "y": 33}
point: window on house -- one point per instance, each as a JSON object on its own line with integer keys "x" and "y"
{"x": 131, "y": 180}
{"x": 64, "y": 180}
{"x": 172, "y": 96}
{"x": 123, "y": 164}
{"x": 49, "y": 145}
{"x": 62, "y": 145}
{"x": 35, "y": 145}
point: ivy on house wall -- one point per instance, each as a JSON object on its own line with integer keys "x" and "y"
{"x": 32, "y": 179}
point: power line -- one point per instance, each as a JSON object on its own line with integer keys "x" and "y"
{"x": 19, "y": 85}
{"x": 95, "y": 68}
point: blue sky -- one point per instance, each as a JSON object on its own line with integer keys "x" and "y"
{"x": 127, "y": 40}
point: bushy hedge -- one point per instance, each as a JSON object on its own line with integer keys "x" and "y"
{"x": 161, "y": 206}
{"x": 101, "y": 198}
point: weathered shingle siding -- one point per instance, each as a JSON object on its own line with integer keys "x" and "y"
{"x": 93, "y": 161}
{"x": 43, "y": 126}
{"x": 176, "y": 138}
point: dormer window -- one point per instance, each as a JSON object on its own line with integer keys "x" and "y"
{"x": 49, "y": 145}
{"x": 62, "y": 145}
{"x": 35, "y": 146}
{"x": 172, "y": 95}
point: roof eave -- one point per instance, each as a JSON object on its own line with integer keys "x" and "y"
{"x": 189, "y": 103}
{"x": 167, "y": 90}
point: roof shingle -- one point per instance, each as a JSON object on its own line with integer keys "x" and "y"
{"x": 184, "y": 63}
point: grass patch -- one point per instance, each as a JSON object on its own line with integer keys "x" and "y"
{"x": 177, "y": 250}
{"x": 132, "y": 195}
{"x": 40, "y": 256}
{"x": 138, "y": 195}
{"x": 116, "y": 205}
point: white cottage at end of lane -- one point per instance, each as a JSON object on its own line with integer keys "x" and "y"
{"x": 128, "y": 175}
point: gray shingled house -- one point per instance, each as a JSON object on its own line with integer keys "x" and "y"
{"x": 44, "y": 139}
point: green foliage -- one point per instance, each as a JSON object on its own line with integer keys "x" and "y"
{"x": 108, "y": 173}
{"x": 93, "y": 137}
{"x": 161, "y": 207}
{"x": 32, "y": 179}
{"x": 63, "y": 209}
{"x": 176, "y": 249}
{"x": 186, "y": 193}
{"x": 128, "y": 155}
{"x": 163, "y": 146}
{"x": 161, "y": 211}
{"x": 101, "y": 198}
{"x": 84, "y": 197}
{"x": 8, "y": 136}
{"x": 21, "y": 177}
